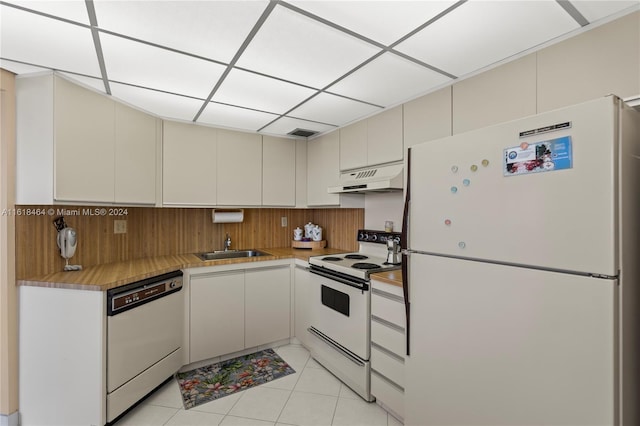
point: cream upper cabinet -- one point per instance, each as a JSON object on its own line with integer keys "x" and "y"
{"x": 605, "y": 60}
{"x": 77, "y": 145}
{"x": 135, "y": 154}
{"x": 427, "y": 118}
{"x": 239, "y": 168}
{"x": 301, "y": 173}
{"x": 375, "y": 140}
{"x": 502, "y": 94}
{"x": 353, "y": 145}
{"x": 84, "y": 144}
{"x": 323, "y": 164}
{"x": 189, "y": 167}
{"x": 384, "y": 137}
{"x": 278, "y": 171}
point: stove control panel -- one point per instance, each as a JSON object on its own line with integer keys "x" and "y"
{"x": 379, "y": 237}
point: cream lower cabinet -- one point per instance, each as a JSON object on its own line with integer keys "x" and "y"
{"x": 189, "y": 169}
{"x": 233, "y": 309}
{"x": 303, "y": 302}
{"x": 217, "y": 314}
{"x": 387, "y": 346}
{"x": 267, "y": 305}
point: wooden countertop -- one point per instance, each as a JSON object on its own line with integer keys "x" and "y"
{"x": 390, "y": 277}
{"x": 111, "y": 275}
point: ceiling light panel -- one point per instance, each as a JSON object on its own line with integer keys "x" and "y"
{"x": 394, "y": 78}
{"x": 213, "y": 29}
{"x": 74, "y": 10}
{"x": 162, "y": 104}
{"x": 296, "y": 48}
{"x": 333, "y": 109}
{"x": 143, "y": 65}
{"x": 234, "y": 117}
{"x": 250, "y": 90}
{"x": 479, "y": 33}
{"x": 383, "y": 21}
{"x": 595, "y": 10}
{"x": 47, "y": 42}
{"x": 286, "y": 124}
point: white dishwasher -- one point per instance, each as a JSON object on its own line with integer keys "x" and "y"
{"x": 144, "y": 338}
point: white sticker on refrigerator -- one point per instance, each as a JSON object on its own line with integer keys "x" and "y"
{"x": 545, "y": 156}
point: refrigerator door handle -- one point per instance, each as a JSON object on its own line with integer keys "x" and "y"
{"x": 405, "y": 254}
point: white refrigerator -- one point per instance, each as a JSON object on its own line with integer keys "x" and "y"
{"x": 522, "y": 272}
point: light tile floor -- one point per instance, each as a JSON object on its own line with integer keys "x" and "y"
{"x": 311, "y": 396}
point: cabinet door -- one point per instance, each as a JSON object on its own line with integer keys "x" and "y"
{"x": 301, "y": 173}
{"x": 384, "y": 137}
{"x": 593, "y": 64}
{"x": 427, "y": 118}
{"x": 188, "y": 164}
{"x": 323, "y": 169}
{"x": 278, "y": 171}
{"x": 84, "y": 144}
{"x": 135, "y": 156}
{"x": 353, "y": 145}
{"x": 502, "y": 94}
{"x": 267, "y": 305}
{"x": 302, "y": 305}
{"x": 217, "y": 314}
{"x": 239, "y": 168}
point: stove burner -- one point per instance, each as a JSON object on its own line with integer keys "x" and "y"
{"x": 356, "y": 257}
{"x": 332, "y": 259}
{"x": 364, "y": 265}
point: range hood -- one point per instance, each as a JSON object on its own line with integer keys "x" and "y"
{"x": 386, "y": 178}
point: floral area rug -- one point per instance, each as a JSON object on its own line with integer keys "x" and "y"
{"x": 224, "y": 378}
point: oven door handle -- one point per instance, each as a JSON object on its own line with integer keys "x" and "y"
{"x": 359, "y": 286}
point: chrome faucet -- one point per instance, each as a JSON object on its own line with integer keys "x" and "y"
{"x": 227, "y": 243}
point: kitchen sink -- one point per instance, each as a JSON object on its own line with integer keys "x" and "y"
{"x": 230, "y": 254}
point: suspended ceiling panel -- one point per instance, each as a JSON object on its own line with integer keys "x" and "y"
{"x": 162, "y": 104}
{"x": 74, "y": 10}
{"x": 35, "y": 39}
{"x": 213, "y": 29}
{"x": 333, "y": 109}
{"x": 292, "y": 57}
{"x": 596, "y": 10}
{"x": 92, "y": 82}
{"x": 234, "y": 117}
{"x": 144, "y": 65}
{"x": 296, "y": 48}
{"x": 382, "y": 21}
{"x": 259, "y": 92}
{"x": 480, "y": 32}
{"x": 395, "y": 79}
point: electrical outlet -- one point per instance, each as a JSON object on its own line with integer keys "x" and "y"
{"x": 283, "y": 221}
{"x": 119, "y": 226}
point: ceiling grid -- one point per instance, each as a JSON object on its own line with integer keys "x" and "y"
{"x": 272, "y": 66}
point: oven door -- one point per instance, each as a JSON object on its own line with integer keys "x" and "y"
{"x": 340, "y": 311}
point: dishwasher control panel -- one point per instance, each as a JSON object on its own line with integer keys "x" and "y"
{"x": 123, "y": 298}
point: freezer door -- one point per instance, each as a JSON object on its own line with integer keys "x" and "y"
{"x": 466, "y": 201}
{"x": 501, "y": 345}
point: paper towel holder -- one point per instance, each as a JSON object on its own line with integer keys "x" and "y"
{"x": 227, "y": 215}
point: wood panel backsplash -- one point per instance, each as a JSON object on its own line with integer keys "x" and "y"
{"x": 165, "y": 231}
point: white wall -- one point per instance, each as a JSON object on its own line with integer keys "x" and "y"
{"x": 381, "y": 207}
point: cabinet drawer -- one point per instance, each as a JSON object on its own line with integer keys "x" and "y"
{"x": 387, "y": 337}
{"x": 387, "y": 364}
{"x": 388, "y": 308}
{"x": 388, "y": 288}
{"x": 387, "y": 393}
